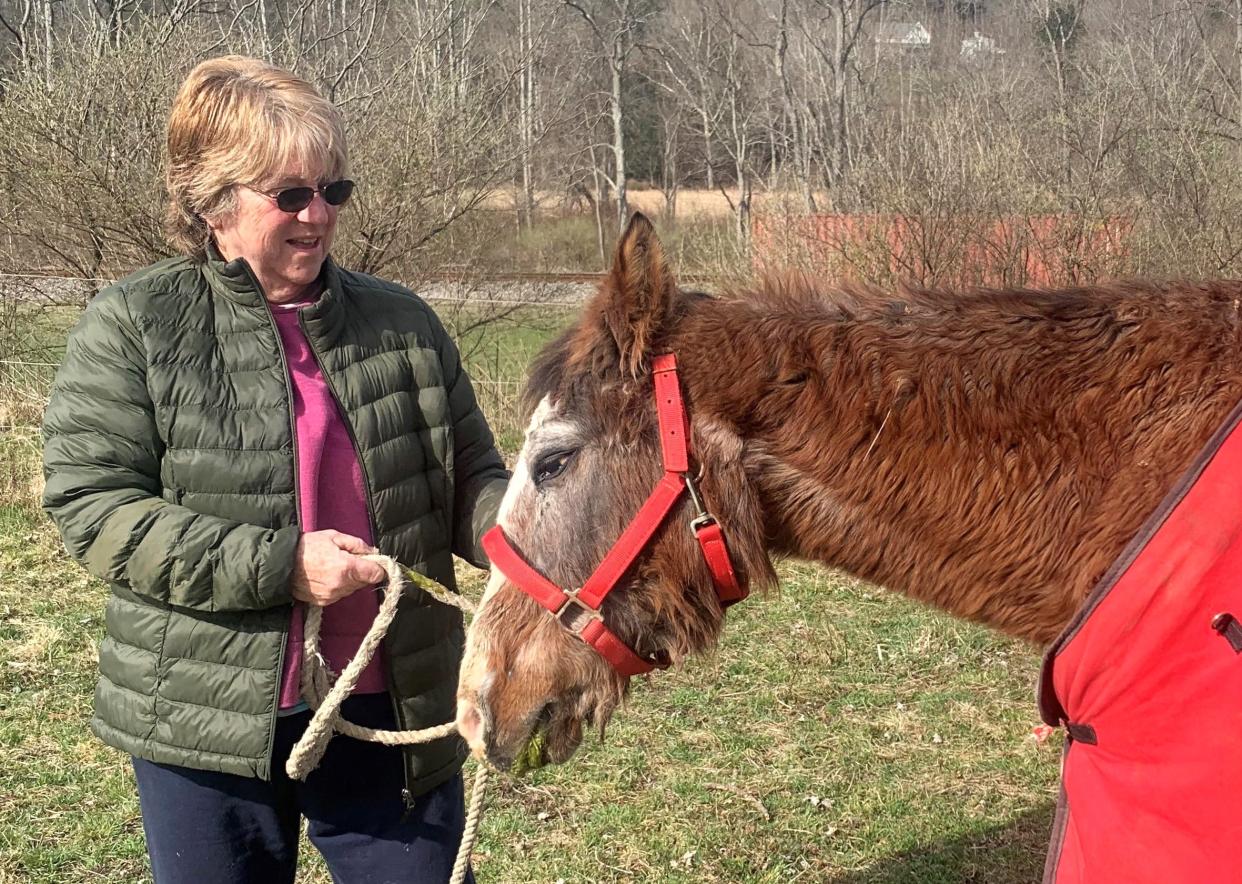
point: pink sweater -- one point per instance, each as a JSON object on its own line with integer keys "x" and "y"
{"x": 330, "y": 495}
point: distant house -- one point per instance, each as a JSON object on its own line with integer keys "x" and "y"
{"x": 902, "y": 36}
{"x": 979, "y": 48}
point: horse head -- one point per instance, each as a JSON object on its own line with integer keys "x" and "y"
{"x": 540, "y": 658}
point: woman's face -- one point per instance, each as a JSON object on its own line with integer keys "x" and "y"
{"x": 286, "y": 250}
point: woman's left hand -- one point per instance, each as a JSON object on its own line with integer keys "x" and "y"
{"x": 328, "y": 567}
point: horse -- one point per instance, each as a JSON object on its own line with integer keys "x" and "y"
{"x": 988, "y": 452}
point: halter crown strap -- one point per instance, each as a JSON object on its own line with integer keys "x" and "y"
{"x": 675, "y": 446}
{"x": 674, "y": 421}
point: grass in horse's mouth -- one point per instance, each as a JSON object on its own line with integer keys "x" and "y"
{"x": 534, "y": 754}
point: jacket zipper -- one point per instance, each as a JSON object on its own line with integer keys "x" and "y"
{"x": 406, "y": 793}
{"x": 297, "y": 508}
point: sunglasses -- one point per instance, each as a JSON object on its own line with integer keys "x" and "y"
{"x": 295, "y": 199}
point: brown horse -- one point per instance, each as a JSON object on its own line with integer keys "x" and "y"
{"x": 987, "y": 452}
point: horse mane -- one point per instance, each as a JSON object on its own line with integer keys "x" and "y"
{"x": 1119, "y": 301}
{"x": 1049, "y": 345}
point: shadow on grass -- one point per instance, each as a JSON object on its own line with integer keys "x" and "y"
{"x": 1009, "y": 854}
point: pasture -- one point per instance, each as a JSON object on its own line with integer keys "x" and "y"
{"x": 840, "y": 734}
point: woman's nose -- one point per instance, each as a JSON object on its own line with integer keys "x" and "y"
{"x": 317, "y": 212}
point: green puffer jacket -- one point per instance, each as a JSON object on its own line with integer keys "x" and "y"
{"x": 169, "y": 457}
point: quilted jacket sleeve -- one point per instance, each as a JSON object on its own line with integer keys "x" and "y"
{"x": 479, "y": 474}
{"x": 101, "y": 460}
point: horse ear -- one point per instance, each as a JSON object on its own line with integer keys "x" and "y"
{"x": 638, "y": 294}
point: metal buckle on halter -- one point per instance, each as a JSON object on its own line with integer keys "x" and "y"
{"x": 704, "y": 518}
{"x": 580, "y": 614}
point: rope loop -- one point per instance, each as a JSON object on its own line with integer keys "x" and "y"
{"x": 324, "y": 693}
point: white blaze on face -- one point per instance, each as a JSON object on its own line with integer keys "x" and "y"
{"x": 521, "y": 473}
{"x": 544, "y": 431}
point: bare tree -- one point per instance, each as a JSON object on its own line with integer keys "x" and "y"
{"x": 527, "y": 99}
{"x": 796, "y": 131}
{"x": 689, "y": 48}
{"x": 743, "y": 104}
{"x": 547, "y": 81}
{"x": 842, "y": 22}
{"x": 1059, "y": 29}
{"x": 18, "y": 22}
{"x": 615, "y": 26}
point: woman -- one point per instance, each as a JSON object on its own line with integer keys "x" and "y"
{"x": 228, "y": 432}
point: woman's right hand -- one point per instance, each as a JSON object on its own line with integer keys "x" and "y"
{"x": 327, "y": 568}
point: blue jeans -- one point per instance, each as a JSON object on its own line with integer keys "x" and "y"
{"x": 204, "y": 827}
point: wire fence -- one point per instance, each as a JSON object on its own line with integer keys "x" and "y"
{"x": 24, "y": 387}
{"x": 522, "y": 290}
{"x": 467, "y": 301}
{"x": 36, "y": 310}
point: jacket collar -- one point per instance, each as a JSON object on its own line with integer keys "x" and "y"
{"x": 236, "y": 281}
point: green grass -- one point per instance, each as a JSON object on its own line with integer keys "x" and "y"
{"x": 67, "y": 807}
{"x": 496, "y": 357}
{"x": 839, "y": 734}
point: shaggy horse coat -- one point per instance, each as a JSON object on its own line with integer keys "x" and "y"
{"x": 988, "y": 452}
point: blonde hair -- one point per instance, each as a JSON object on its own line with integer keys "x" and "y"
{"x": 238, "y": 120}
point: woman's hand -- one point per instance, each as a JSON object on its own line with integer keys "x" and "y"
{"x": 328, "y": 568}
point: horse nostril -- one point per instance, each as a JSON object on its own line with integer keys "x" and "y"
{"x": 470, "y": 724}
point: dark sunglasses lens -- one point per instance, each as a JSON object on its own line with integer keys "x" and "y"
{"x": 295, "y": 199}
{"x": 338, "y": 192}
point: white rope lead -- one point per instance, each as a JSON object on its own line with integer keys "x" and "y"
{"x": 325, "y": 697}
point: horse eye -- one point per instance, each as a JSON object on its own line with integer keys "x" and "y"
{"x": 551, "y": 465}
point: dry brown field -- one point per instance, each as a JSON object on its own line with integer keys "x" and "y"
{"x": 698, "y": 203}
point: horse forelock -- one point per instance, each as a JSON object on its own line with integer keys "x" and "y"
{"x": 586, "y": 356}
{"x": 546, "y": 376}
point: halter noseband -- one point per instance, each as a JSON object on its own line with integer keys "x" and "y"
{"x": 578, "y": 610}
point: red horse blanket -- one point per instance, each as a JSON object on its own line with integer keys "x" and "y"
{"x": 1147, "y": 680}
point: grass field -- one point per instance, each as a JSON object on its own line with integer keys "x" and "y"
{"x": 840, "y": 734}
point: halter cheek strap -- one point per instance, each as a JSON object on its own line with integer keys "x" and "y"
{"x": 579, "y": 610}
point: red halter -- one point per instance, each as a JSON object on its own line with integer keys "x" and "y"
{"x": 578, "y": 610}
